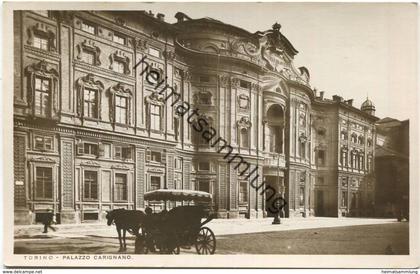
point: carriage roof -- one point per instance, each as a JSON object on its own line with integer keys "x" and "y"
{"x": 177, "y": 195}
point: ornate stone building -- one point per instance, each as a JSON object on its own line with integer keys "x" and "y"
{"x": 92, "y": 134}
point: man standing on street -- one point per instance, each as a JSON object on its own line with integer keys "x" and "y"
{"x": 48, "y": 219}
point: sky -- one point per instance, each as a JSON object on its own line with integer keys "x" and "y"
{"x": 352, "y": 50}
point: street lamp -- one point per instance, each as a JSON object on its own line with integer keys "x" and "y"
{"x": 277, "y": 205}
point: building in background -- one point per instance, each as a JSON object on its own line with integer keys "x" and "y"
{"x": 92, "y": 134}
{"x": 392, "y": 169}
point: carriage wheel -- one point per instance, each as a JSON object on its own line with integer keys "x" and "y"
{"x": 206, "y": 241}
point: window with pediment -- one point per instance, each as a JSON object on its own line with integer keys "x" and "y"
{"x": 119, "y": 62}
{"x": 42, "y": 93}
{"x": 40, "y": 36}
{"x": 154, "y": 111}
{"x": 120, "y": 101}
{"x": 89, "y": 97}
{"x": 89, "y": 53}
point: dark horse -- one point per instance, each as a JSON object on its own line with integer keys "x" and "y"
{"x": 125, "y": 220}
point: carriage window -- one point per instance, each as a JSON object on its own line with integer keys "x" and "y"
{"x": 154, "y": 182}
{"x": 90, "y": 149}
{"x": 90, "y": 216}
{"x": 156, "y": 156}
{"x": 91, "y": 185}
{"x": 121, "y": 187}
{"x": 203, "y": 186}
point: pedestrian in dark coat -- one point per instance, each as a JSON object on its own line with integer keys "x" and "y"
{"x": 48, "y": 220}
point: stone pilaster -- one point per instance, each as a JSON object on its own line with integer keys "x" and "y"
{"x": 140, "y": 184}
{"x": 67, "y": 177}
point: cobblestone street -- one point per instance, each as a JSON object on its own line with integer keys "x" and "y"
{"x": 293, "y": 236}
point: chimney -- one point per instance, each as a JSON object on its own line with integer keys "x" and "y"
{"x": 321, "y": 95}
{"x": 161, "y": 17}
{"x": 337, "y": 98}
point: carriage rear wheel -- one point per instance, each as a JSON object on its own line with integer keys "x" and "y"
{"x": 206, "y": 241}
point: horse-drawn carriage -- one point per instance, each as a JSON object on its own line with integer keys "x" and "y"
{"x": 167, "y": 231}
{"x": 182, "y": 226}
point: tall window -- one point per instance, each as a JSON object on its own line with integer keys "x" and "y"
{"x": 42, "y": 96}
{"x": 176, "y": 128}
{"x": 301, "y": 196}
{"x": 118, "y": 66}
{"x": 41, "y": 42}
{"x": 244, "y": 138}
{"x": 243, "y": 192}
{"x": 275, "y": 139}
{"x": 121, "y": 107}
{"x": 343, "y": 158}
{"x": 88, "y": 57}
{"x": 344, "y": 199}
{"x": 44, "y": 183}
{"x": 353, "y": 160}
{"x": 91, "y": 185}
{"x": 121, "y": 187}
{"x": 369, "y": 163}
{"x": 154, "y": 117}
{"x": 321, "y": 158}
{"x": 203, "y": 185}
{"x": 343, "y": 135}
{"x": 88, "y": 28}
{"x": 154, "y": 182}
{"x": 302, "y": 149}
{"x": 90, "y": 103}
{"x": 361, "y": 162}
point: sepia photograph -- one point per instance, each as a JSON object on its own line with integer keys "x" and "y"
{"x": 135, "y": 130}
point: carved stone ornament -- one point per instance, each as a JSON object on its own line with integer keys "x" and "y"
{"x": 141, "y": 45}
{"x": 88, "y": 81}
{"x": 244, "y": 122}
{"x": 89, "y": 46}
{"x": 169, "y": 55}
{"x": 243, "y": 102}
{"x": 120, "y": 166}
{"x": 255, "y": 87}
{"x": 42, "y": 159}
{"x": 42, "y": 30}
{"x": 303, "y": 138}
{"x": 303, "y": 176}
{"x": 187, "y": 75}
{"x": 42, "y": 69}
{"x": 121, "y": 57}
{"x": 90, "y": 163}
{"x": 224, "y": 80}
{"x": 119, "y": 90}
{"x": 235, "y": 82}
{"x": 203, "y": 97}
{"x": 120, "y": 21}
{"x": 155, "y": 99}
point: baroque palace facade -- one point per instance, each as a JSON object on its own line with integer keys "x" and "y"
{"x": 91, "y": 134}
